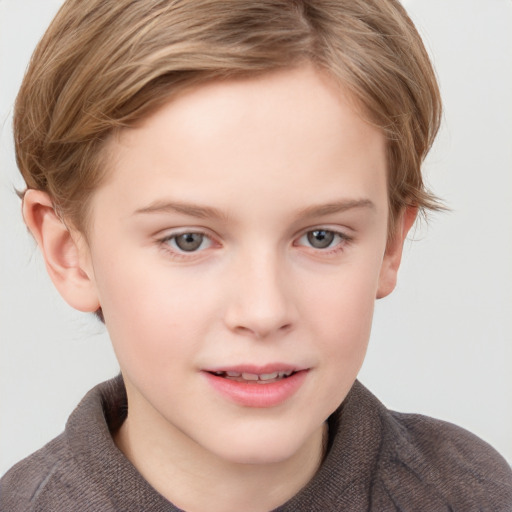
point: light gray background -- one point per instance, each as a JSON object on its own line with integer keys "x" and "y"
{"x": 441, "y": 344}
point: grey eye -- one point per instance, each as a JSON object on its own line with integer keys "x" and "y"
{"x": 320, "y": 238}
{"x": 189, "y": 242}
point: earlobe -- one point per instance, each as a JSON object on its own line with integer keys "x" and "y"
{"x": 65, "y": 259}
{"x": 393, "y": 254}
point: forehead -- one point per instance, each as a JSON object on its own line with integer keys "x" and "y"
{"x": 282, "y": 135}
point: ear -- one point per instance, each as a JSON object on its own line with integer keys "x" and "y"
{"x": 393, "y": 254}
{"x": 64, "y": 251}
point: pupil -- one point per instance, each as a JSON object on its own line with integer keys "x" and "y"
{"x": 189, "y": 241}
{"x": 320, "y": 239}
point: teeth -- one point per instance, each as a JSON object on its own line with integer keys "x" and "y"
{"x": 253, "y": 377}
{"x": 249, "y": 376}
{"x": 269, "y": 376}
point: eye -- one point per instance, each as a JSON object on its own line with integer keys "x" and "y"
{"x": 322, "y": 239}
{"x": 188, "y": 242}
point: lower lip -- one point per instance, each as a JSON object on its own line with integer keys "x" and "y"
{"x": 257, "y": 395}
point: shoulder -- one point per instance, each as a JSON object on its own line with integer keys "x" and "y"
{"x": 451, "y": 466}
{"x": 23, "y": 486}
{"x": 65, "y": 474}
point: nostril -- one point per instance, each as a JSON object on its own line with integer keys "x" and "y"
{"x": 262, "y": 331}
{"x": 259, "y": 317}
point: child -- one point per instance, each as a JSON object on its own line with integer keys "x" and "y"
{"x": 228, "y": 186}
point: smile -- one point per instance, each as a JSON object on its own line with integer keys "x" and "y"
{"x": 256, "y": 387}
{"x": 254, "y": 378}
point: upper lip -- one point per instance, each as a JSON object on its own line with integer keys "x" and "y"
{"x": 255, "y": 369}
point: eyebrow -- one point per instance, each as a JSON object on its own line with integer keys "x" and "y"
{"x": 192, "y": 210}
{"x": 335, "y": 207}
{"x": 208, "y": 212}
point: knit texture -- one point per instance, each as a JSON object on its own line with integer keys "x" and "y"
{"x": 377, "y": 460}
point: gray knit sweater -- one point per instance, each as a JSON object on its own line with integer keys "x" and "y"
{"x": 377, "y": 460}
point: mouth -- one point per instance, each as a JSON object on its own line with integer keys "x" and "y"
{"x": 254, "y": 378}
{"x": 261, "y": 387}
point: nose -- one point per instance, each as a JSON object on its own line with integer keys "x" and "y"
{"x": 261, "y": 304}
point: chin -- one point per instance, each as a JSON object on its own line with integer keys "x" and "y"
{"x": 257, "y": 448}
{"x": 258, "y": 455}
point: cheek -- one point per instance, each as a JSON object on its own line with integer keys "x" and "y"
{"x": 341, "y": 312}
{"x": 152, "y": 314}
{"x": 339, "y": 316}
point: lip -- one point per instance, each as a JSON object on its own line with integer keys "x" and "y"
{"x": 257, "y": 395}
{"x": 251, "y": 368}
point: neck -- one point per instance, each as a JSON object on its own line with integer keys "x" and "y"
{"x": 195, "y": 479}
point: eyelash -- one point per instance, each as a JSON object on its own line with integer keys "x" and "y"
{"x": 177, "y": 253}
{"x": 343, "y": 240}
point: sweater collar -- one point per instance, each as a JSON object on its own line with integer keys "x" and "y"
{"x": 344, "y": 478}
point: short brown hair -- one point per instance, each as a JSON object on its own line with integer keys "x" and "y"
{"x": 106, "y": 64}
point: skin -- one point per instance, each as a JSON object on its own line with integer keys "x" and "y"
{"x": 253, "y": 165}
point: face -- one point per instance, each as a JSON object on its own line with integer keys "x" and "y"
{"x": 236, "y": 250}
